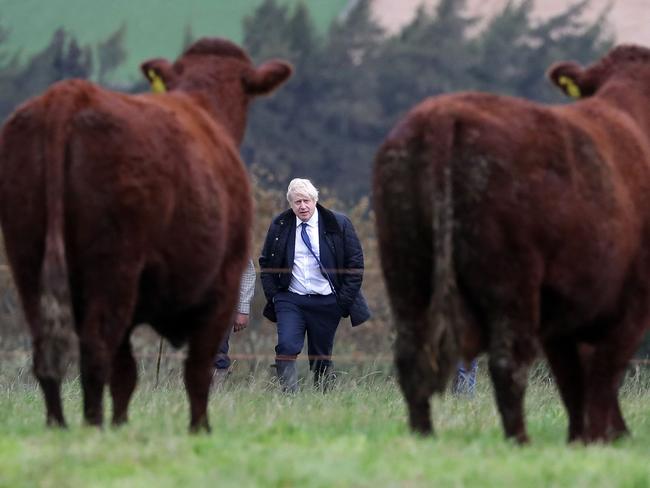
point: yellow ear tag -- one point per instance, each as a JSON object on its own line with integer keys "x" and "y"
{"x": 570, "y": 86}
{"x": 157, "y": 83}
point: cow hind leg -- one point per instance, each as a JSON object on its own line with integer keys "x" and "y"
{"x": 509, "y": 379}
{"x": 569, "y": 372}
{"x": 198, "y": 374}
{"x": 417, "y": 375}
{"x": 48, "y": 377}
{"x": 604, "y": 421}
{"x": 417, "y": 397}
{"x": 606, "y": 367}
{"x": 616, "y": 428}
{"x": 94, "y": 370}
{"x": 51, "y": 388}
{"x": 210, "y": 329}
{"x": 104, "y": 325}
{"x": 512, "y": 319}
{"x": 614, "y": 424}
{"x": 49, "y": 380}
{"x": 511, "y": 351}
{"x": 52, "y": 351}
{"x": 122, "y": 381}
{"x": 48, "y": 368}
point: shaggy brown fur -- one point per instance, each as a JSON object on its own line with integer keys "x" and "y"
{"x": 123, "y": 209}
{"x": 507, "y": 226}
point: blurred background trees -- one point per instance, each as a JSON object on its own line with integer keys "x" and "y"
{"x": 352, "y": 82}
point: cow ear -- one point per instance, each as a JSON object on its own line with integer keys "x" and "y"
{"x": 570, "y": 78}
{"x": 160, "y": 74}
{"x": 267, "y": 77}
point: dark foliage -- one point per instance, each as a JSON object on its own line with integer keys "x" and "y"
{"x": 353, "y": 83}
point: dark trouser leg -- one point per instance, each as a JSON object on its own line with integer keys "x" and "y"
{"x": 322, "y": 316}
{"x": 287, "y": 374}
{"x": 465, "y": 380}
{"x": 291, "y": 336}
{"x": 222, "y": 360}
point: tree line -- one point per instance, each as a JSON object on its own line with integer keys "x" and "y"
{"x": 354, "y": 81}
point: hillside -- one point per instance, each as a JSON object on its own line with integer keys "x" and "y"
{"x": 153, "y": 27}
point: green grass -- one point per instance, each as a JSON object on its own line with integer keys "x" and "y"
{"x": 354, "y": 436}
{"x": 155, "y": 28}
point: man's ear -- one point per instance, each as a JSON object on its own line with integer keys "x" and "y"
{"x": 267, "y": 77}
{"x": 570, "y": 77}
{"x": 160, "y": 74}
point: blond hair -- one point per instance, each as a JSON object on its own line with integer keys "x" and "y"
{"x": 301, "y": 186}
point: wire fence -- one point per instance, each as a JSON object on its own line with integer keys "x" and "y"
{"x": 178, "y": 355}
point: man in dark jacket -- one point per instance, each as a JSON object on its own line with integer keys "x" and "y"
{"x": 311, "y": 271}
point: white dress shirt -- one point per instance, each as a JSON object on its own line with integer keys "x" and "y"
{"x": 246, "y": 289}
{"x": 306, "y": 278}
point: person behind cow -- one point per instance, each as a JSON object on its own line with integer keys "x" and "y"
{"x": 246, "y": 288}
{"x": 311, "y": 270}
{"x": 465, "y": 379}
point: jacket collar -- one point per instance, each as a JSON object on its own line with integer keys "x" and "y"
{"x": 330, "y": 223}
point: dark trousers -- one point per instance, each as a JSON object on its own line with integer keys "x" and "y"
{"x": 222, "y": 360}
{"x": 317, "y": 316}
{"x": 465, "y": 380}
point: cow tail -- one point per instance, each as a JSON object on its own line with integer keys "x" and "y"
{"x": 445, "y": 303}
{"x": 56, "y": 335}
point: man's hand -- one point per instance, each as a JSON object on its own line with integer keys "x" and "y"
{"x": 241, "y": 322}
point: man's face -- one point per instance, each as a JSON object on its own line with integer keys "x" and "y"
{"x": 303, "y": 206}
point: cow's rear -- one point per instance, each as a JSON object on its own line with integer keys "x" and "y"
{"x": 508, "y": 227}
{"x": 122, "y": 209}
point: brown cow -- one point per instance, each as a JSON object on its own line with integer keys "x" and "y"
{"x": 507, "y": 226}
{"x": 121, "y": 209}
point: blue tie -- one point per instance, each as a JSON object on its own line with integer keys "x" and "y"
{"x": 305, "y": 239}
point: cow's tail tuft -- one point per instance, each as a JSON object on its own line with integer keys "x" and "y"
{"x": 56, "y": 338}
{"x": 445, "y": 305}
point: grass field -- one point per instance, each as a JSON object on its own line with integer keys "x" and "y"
{"x": 154, "y": 28}
{"x": 354, "y": 436}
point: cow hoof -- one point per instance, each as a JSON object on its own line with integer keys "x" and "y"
{"x": 200, "y": 428}
{"x": 520, "y": 438}
{"x": 119, "y": 421}
{"x": 55, "y": 423}
{"x": 523, "y": 439}
{"x": 617, "y": 435}
{"x": 423, "y": 428}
